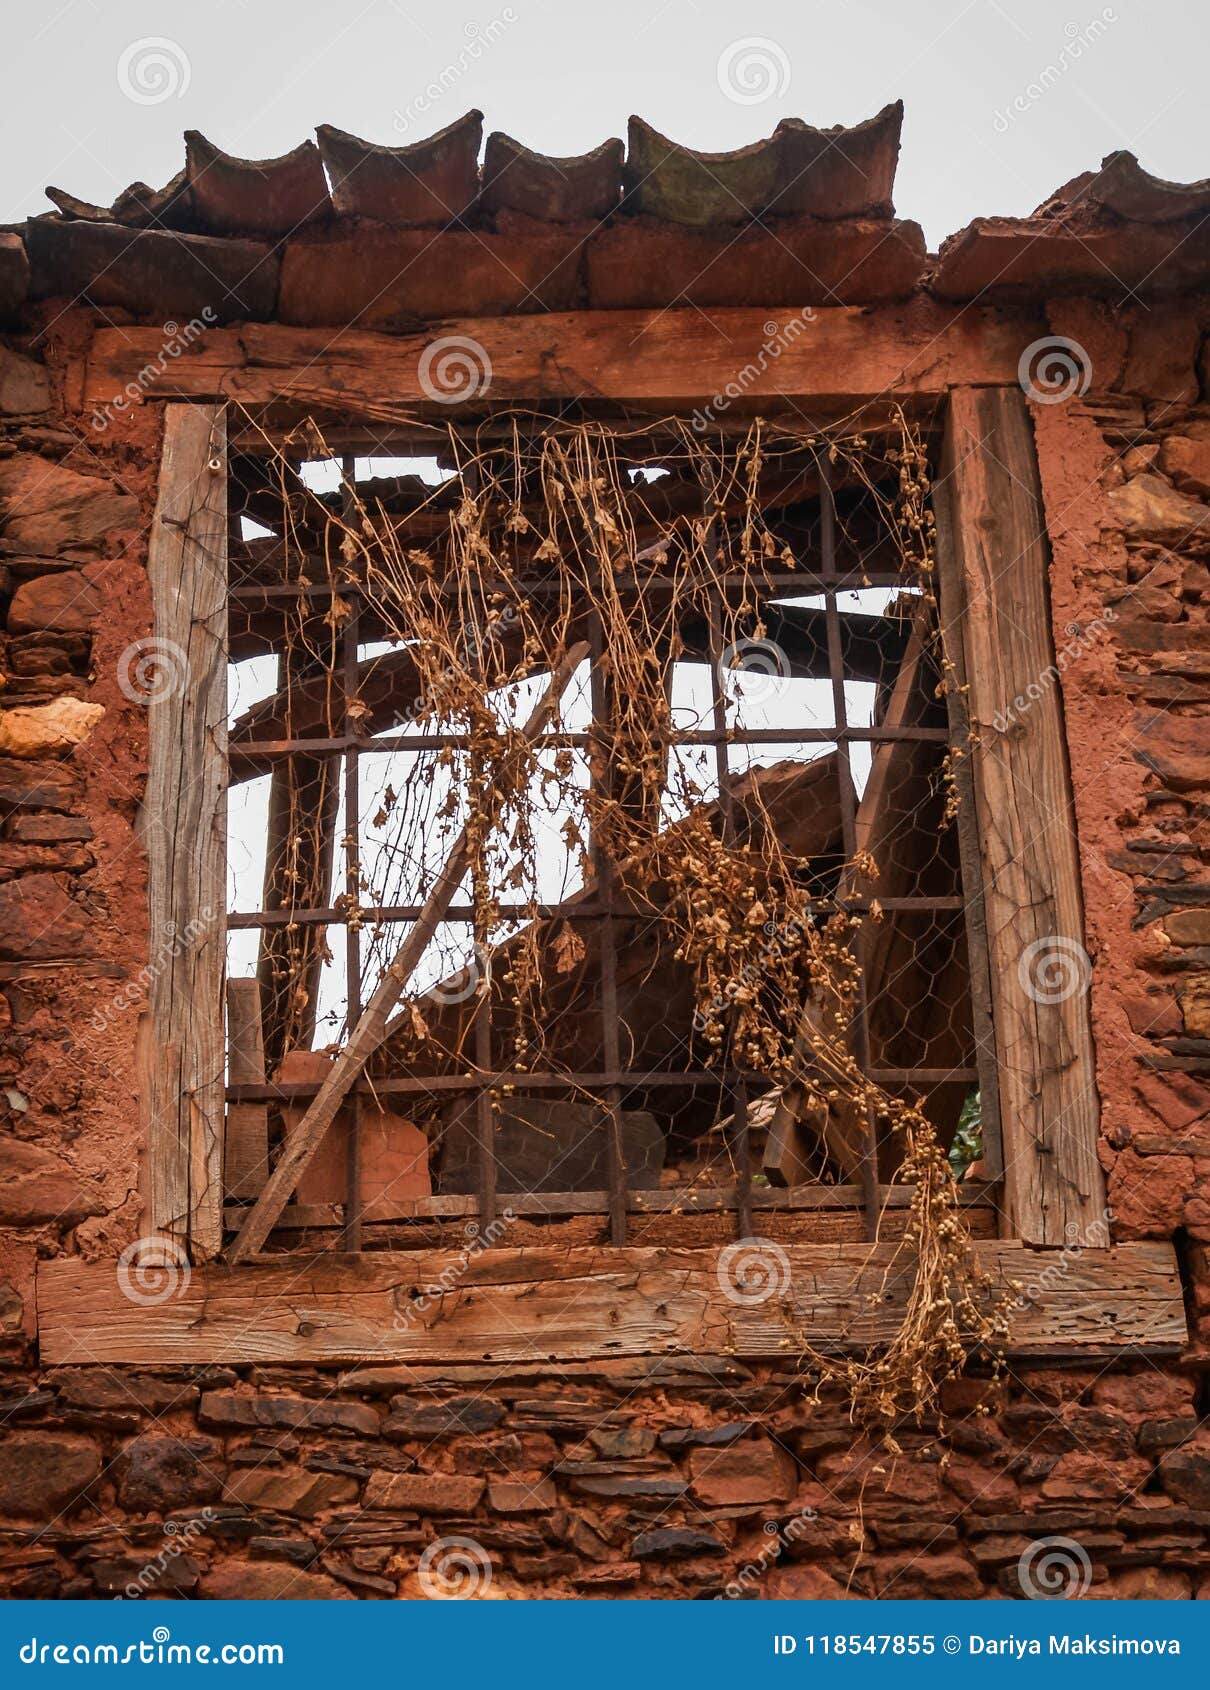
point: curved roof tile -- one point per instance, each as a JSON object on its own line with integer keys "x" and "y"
{"x": 678, "y": 185}
{"x": 1124, "y": 189}
{"x": 834, "y": 173}
{"x": 693, "y": 234}
{"x": 557, "y": 190}
{"x": 137, "y": 207}
{"x": 428, "y": 182}
{"x": 798, "y": 170}
{"x": 244, "y": 196}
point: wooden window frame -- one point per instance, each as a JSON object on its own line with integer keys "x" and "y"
{"x": 183, "y": 827}
{"x": 1023, "y": 880}
{"x": 993, "y": 561}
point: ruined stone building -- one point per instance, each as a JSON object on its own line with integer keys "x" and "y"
{"x": 604, "y": 926}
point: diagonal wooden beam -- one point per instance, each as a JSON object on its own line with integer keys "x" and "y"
{"x": 369, "y": 1031}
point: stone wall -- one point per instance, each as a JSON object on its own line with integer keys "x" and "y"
{"x": 622, "y": 1479}
{"x": 631, "y": 1479}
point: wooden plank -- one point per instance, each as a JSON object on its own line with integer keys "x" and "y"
{"x": 508, "y": 1304}
{"x": 183, "y": 830}
{"x": 995, "y": 529}
{"x": 682, "y": 358}
{"x": 369, "y": 1032}
{"x": 246, "y": 1140}
{"x": 707, "y": 1229}
{"x": 950, "y": 619}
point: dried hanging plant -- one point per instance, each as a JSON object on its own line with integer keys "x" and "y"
{"x": 547, "y": 536}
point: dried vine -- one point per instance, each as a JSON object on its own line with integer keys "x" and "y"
{"x": 554, "y": 532}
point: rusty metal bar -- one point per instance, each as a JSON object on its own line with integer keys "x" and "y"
{"x": 248, "y": 753}
{"x": 631, "y": 1080}
{"x": 569, "y": 911}
{"x": 350, "y": 655}
{"x": 807, "y": 582}
{"x": 600, "y": 778}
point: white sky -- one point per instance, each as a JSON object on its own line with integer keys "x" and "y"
{"x": 257, "y": 75}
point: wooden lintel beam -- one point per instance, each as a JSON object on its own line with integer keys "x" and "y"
{"x": 726, "y": 359}
{"x": 518, "y": 1304}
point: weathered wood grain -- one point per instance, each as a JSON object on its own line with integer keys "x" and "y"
{"x": 683, "y": 358}
{"x": 183, "y": 829}
{"x": 993, "y": 525}
{"x": 546, "y": 1304}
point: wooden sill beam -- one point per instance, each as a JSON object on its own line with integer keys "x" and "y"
{"x": 680, "y": 360}
{"x": 548, "y": 1304}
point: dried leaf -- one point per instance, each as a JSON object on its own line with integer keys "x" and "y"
{"x": 568, "y": 949}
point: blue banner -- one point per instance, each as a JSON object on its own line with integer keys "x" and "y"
{"x": 623, "y": 1645}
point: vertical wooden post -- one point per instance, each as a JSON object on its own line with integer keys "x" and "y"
{"x": 990, "y": 509}
{"x": 183, "y": 826}
{"x": 246, "y": 1128}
